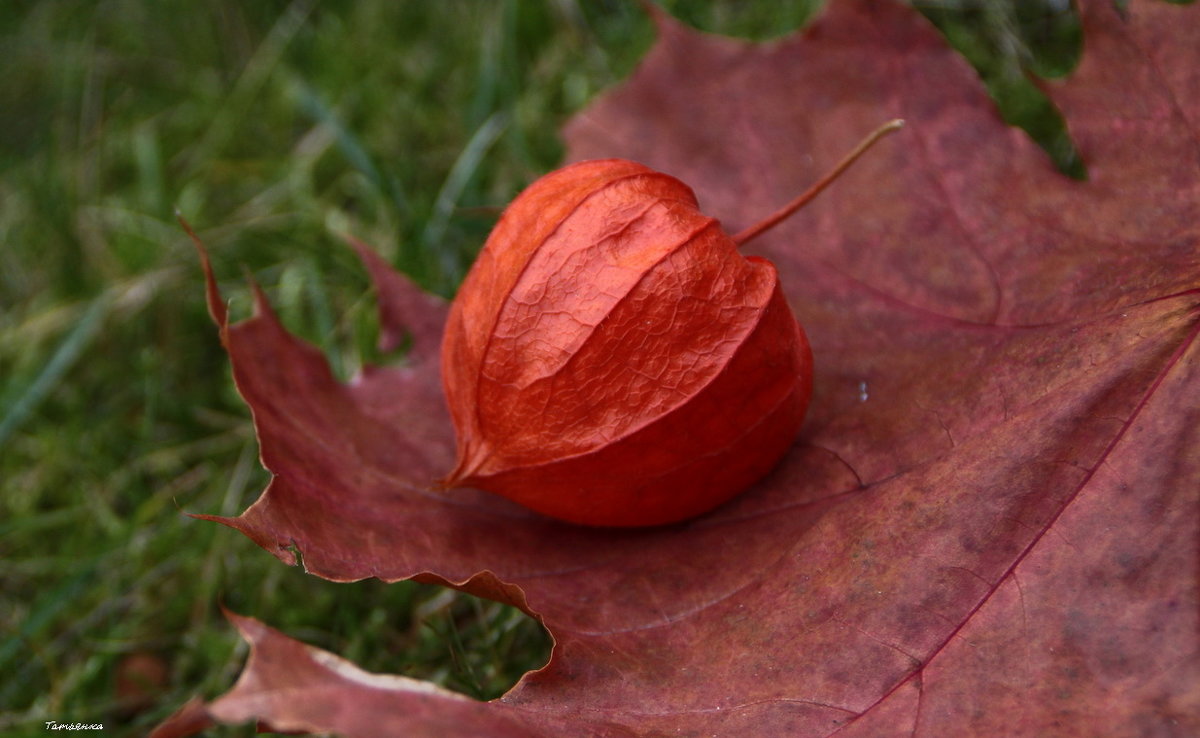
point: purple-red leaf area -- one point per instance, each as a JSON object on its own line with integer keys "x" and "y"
{"x": 989, "y": 522}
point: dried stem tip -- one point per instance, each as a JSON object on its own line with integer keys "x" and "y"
{"x": 775, "y": 218}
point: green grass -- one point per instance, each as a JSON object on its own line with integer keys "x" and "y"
{"x": 272, "y": 126}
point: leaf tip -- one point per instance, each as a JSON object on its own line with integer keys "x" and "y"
{"x": 664, "y": 23}
{"x": 262, "y": 305}
{"x": 365, "y": 252}
{"x": 191, "y": 719}
{"x": 216, "y": 304}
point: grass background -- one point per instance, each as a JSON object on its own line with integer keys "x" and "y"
{"x": 273, "y": 126}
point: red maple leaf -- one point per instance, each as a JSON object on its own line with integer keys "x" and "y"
{"x": 989, "y": 523}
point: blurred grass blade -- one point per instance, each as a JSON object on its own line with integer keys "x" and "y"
{"x": 43, "y": 611}
{"x": 227, "y": 121}
{"x": 26, "y": 399}
{"x": 349, "y": 144}
{"x": 456, "y": 181}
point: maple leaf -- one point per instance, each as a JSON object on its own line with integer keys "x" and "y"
{"x": 988, "y": 525}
